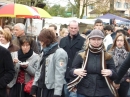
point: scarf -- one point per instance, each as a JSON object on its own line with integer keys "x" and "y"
{"x": 23, "y": 57}
{"x": 95, "y": 49}
{"x": 119, "y": 52}
{"x": 48, "y": 48}
{"x": 92, "y": 49}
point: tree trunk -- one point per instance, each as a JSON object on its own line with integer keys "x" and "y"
{"x": 111, "y": 6}
{"x": 78, "y": 8}
{"x": 81, "y": 16}
{"x": 84, "y": 4}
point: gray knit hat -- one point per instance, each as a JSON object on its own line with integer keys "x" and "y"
{"x": 96, "y": 33}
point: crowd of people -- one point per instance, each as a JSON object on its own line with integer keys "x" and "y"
{"x": 69, "y": 64}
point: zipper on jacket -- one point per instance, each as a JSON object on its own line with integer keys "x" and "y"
{"x": 21, "y": 89}
{"x": 95, "y": 86}
{"x": 41, "y": 92}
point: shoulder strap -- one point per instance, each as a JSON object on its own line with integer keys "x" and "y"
{"x": 73, "y": 83}
{"x": 107, "y": 79}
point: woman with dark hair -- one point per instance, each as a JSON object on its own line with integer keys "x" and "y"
{"x": 25, "y": 63}
{"x": 120, "y": 50}
{"x": 93, "y": 69}
{"x": 49, "y": 77}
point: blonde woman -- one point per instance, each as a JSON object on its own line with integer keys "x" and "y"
{"x": 93, "y": 76}
{"x": 64, "y": 32}
{"x": 6, "y": 42}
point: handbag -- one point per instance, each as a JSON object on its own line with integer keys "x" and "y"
{"x": 28, "y": 86}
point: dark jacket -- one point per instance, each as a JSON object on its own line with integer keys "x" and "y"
{"x": 71, "y": 46}
{"x": 123, "y": 69}
{"x": 93, "y": 84}
{"x": 109, "y": 47}
{"x": 13, "y": 48}
{"x": 113, "y": 35}
{"x": 6, "y": 70}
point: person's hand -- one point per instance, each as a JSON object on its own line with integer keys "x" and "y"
{"x": 15, "y": 60}
{"x": 128, "y": 80}
{"x": 24, "y": 66}
{"x": 80, "y": 72}
{"x": 74, "y": 90}
{"x": 34, "y": 95}
{"x": 117, "y": 86}
{"x": 106, "y": 72}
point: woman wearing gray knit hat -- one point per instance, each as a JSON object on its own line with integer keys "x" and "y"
{"x": 94, "y": 69}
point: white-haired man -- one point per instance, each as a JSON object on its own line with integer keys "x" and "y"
{"x": 19, "y": 31}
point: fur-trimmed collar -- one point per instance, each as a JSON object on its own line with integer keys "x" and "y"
{"x": 108, "y": 56}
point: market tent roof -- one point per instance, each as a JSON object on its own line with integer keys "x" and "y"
{"x": 112, "y": 16}
{"x": 57, "y": 20}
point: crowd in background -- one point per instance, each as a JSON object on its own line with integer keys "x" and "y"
{"x": 68, "y": 64}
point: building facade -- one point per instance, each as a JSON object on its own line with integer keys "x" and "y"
{"x": 120, "y": 6}
{"x": 123, "y": 6}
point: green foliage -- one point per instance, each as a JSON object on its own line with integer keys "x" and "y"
{"x": 72, "y": 9}
{"x": 28, "y": 2}
{"x": 54, "y": 10}
{"x": 57, "y": 10}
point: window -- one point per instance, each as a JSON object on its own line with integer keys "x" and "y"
{"x": 126, "y": 15}
{"x": 126, "y": 5}
{"x": 118, "y": 4}
{"x": 129, "y": 5}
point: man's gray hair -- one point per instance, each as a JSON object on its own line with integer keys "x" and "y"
{"x": 21, "y": 25}
{"x": 73, "y": 21}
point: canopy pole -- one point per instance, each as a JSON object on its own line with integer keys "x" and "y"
{"x": 15, "y": 17}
